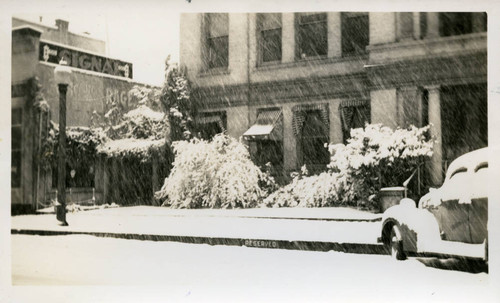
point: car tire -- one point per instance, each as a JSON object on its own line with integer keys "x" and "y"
{"x": 396, "y": 244}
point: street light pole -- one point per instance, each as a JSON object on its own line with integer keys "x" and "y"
{"x": 62, "y": 75}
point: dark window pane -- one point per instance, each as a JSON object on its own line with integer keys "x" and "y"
{"x": 315, "y": 135}
{"x": 217, "y": 48}
{"x": 452, "y": 24}
{"x": 209, "y": 130}
{"x": 269, "y": 151}
{"x": 423, "y": 25}
{"x": 271, "y": 45}
{"x": 16, "y": 169}
{"x": 314, "y": 151}
{"x": 355, "y": 34}
{"x": 211, "y": 124}
{"x": 17, "y": 116}
{"x": 16, "y": 137}
{"x": 406, "y": 25}
{"x": 269, "y": 21}
{"x": 314, "y": 125}
{"x": 354, "y": 117}
{"x": 218, "y": 52}
{"x": 218, "y": 24}
{"x": 464, "y": 119}
{"x": 313, "y": 39}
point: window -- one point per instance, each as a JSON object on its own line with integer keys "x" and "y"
{"x": 269, "y": 26}
{"x": 423, "y": 24}
{"x": 353, "y": 114}
{"x": 425, "y": 107}
{"x": 464, "y": 119}
{"x": 355, "y": 35}
{"x": 269, "y": 151}
{"x": 312, "y": 38}
{"x": 452, "y": 24}
{"x": 315, "y": 134}
{"x": 405, "y": 28}
{"x": 16, "y": 151}
{"x": 84, "y": 174}
{"x": 211, "y": 124}
{"x": 217, "y": 27}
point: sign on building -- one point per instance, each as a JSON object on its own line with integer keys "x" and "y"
{"x": 53, "y": 53}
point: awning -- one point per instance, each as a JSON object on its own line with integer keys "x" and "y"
{"x": 269, "y": 126}
{"x": 299, "y": 115}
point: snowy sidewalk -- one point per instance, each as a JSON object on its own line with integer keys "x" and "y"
{"x": 263, "y": 227}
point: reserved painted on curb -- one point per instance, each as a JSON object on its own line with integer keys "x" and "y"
{"x": 261, "y": 243}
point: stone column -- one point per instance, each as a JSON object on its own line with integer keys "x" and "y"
{"x": 336, "y": 135}
{"x": 334, "y": 35}
{"x": 436, "y": 164}
{"x": 432, "y": 25}
{"x": 416, "y": 26}
{"x": 289, "y": 140}
{"x": 288, "y": 37}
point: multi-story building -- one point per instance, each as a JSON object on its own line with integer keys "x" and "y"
{"x": 291, "y": 82}
{"x": 97, "y": 80}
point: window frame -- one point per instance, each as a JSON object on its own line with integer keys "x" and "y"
{"x": 344, "y": 17}
{"x": 210, "y": 44}
{"x": 261, "y": 39}
{"x": 223, "y": 117}
{"x": 299, "y": 27}
{"x": 312, "y": 138}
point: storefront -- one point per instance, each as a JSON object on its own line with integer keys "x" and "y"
{"x": 97, "y": 82}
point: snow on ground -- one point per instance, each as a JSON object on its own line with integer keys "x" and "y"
{"x": 211, "y": 223}
{"x": 203, "y": 272}
{"x": 343, "y": 213}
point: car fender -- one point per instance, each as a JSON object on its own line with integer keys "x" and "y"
{"x": 419, "y": 228}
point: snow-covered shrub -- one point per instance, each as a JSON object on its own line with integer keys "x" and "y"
{"x": 376, "y": 157}
{"x": 310, "y": 191}
{"x": 213, "y": 174}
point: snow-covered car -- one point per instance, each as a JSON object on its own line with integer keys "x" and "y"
{"x": 451, "y": 220}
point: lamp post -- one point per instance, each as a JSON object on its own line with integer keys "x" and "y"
{"x": 62, "y": 76}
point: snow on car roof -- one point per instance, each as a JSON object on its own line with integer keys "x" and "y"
{"x": 468, "y": 160}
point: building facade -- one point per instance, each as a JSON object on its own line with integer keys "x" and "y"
{"x": 290, "y": 82}
{"x": 97, "y": 80}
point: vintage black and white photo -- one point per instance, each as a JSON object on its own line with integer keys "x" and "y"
{"x": 238, "y": 154}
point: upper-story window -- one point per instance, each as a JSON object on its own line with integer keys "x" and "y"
{"x": 269, "y": 27}
{"x": 452, "y": 24}
{"x": 355, "y": 33}
{"x": 312, "y": 38}
{"x": 217, "y": 29}
{"x": 405, "y": 25}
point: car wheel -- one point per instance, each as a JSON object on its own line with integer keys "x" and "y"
{"x": 396, "y": 244}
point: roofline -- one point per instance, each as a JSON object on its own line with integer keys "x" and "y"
{"x": 18, "y": 28}
{"x": 56, "y": 28}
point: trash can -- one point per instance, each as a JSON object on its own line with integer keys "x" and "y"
{"x": 390, "y": 196}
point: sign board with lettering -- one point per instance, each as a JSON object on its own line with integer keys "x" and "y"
{"x": 53, "y": 53}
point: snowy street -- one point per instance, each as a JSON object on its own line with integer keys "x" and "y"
{"x": 186, "y": 268}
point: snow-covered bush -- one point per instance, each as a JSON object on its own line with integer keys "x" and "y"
{"x": 310, "y": 191}
{"x": 373, "y": 157}
{"x": 212, "y": 174}
{"x": 376, "y": 157}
